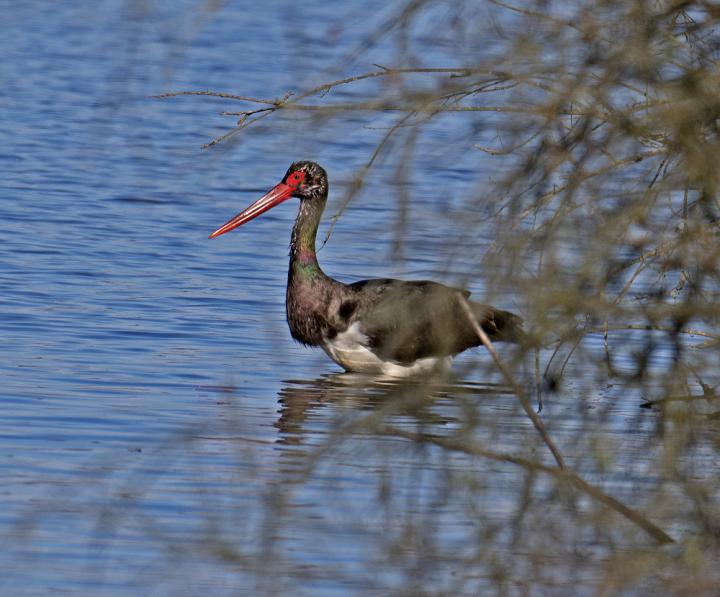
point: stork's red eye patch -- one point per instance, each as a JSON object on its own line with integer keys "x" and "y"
{"x": 296, "y": 178}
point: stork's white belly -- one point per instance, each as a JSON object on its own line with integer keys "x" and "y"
{"x": 350, "y": 349}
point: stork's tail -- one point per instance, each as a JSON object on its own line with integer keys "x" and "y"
{"x": 499, "y": 325}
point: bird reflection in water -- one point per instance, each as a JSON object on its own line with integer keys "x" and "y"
{"x": 365, "y": 403}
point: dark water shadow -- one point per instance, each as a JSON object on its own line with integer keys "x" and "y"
{"x": 361, "y": 395}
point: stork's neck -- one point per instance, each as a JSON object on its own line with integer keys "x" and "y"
{"x": 303, "y": 259}
{"x": 309, "y": 291}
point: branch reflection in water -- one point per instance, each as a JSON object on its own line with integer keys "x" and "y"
{"x": 435, "y": 479}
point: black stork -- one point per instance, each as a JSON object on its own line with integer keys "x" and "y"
{"x": 384, "y": 326}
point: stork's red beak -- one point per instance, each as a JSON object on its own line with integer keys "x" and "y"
{"x": 279, "y": 194}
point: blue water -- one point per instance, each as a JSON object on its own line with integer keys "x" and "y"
{"x": 153, "y": 403}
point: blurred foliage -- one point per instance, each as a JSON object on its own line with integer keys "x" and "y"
{"x": 599, "y": 122}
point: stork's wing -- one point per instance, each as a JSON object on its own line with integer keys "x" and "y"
{"x": 405, "y": 321}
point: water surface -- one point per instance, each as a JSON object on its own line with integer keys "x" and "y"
{"x": 160, "y": 429}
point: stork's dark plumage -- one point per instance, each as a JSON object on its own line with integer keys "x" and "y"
{"x": 383, "y": 326}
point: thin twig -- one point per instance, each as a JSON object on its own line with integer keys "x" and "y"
{"x": 242, "y": 125}
{"x": 511, "y": 149}
{"x": 386, "y": 72}
{"x": 510, "y": 380}
{"x": 218, "y": 94}
{"x": 392, "y": 106}
{"x": 358, "y": 180}
{"x": 560, "y": 473}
